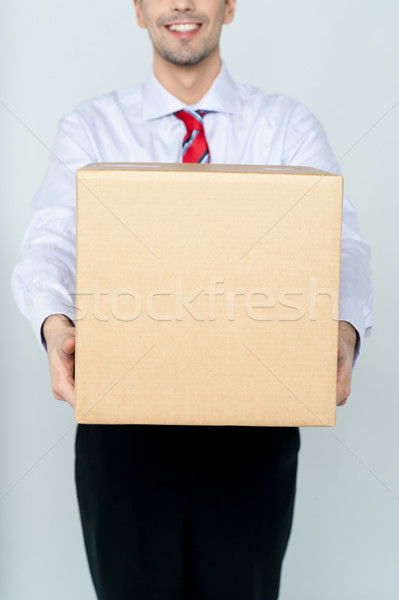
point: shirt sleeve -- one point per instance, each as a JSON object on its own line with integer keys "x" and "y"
{"x": 306, "y": 144}
{"x": 43, "y": 282}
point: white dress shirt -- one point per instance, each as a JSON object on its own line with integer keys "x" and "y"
{"x": 137, "y": 124}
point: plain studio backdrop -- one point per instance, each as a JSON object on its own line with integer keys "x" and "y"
{"x": 339, "y": 58}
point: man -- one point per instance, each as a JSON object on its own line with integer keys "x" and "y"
{"x": 180, "y": 512}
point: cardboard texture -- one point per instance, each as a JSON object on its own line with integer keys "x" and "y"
{"x": 207, "y": 294}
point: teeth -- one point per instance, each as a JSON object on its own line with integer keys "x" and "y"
{"x": 183, "y": 27}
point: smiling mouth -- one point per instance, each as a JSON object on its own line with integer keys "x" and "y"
{"x": 183, "y": 27}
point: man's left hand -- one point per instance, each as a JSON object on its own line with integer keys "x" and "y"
{"x": 347, "y": 337}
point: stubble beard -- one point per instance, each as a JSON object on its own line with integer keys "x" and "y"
{"x": 186, "y": 57}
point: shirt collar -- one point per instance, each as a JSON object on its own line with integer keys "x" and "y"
{"x": 158, "y": 102}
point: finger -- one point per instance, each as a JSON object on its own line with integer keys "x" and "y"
{"x": 70, "y": 399}
{"x": 343, "y": 390}
{"x": 65, "y": 392}
{"x": 70, "y": 392}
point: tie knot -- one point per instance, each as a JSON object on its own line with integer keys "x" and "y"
{"x": 195, "y": 147}
{"x": 193, "y": 119}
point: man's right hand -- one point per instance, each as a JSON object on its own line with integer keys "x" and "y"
{"x": 59, "y": 335}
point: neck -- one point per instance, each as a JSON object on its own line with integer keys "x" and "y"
{"x": 189, "y": 84}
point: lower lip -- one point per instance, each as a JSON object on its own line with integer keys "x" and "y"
{"x": 184, "y": 34}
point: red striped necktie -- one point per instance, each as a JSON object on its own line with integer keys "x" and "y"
{"x": 195, "y": 146}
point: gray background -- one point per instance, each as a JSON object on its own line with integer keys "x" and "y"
{"x": 339, "y": 58}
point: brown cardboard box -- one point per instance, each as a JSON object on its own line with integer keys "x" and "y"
{"x": 207, "y": 294}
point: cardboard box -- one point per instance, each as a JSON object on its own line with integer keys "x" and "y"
{"x": 207, "y": 294}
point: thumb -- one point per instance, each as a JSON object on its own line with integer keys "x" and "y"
{"x": 69, "y": 345}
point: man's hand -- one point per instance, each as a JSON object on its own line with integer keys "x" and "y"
{"x": 59, "y": 335}
{"x": 347, "y": 337}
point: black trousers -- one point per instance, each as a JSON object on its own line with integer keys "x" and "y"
{"x": 186, "y": 513}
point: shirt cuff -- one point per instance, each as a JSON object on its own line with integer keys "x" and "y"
{"x": 358, "y": 322}
{"x": 46, "y": 305}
